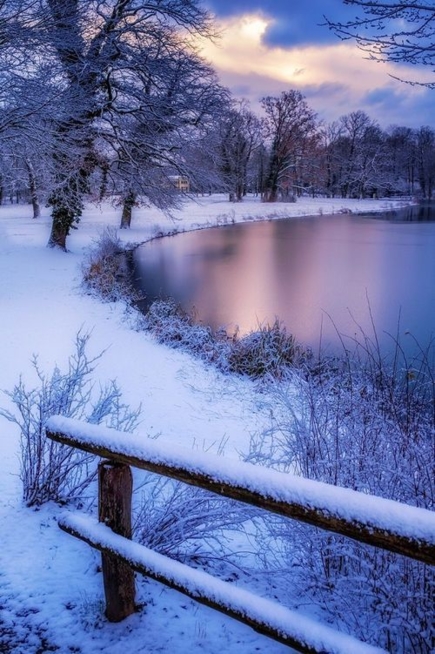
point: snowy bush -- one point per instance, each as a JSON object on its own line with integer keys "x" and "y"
{"x": 363, "y": 424}
{"x": 266, "y": 352}
{"x": 49, "y": 470}
{"x": 186, "y": 523}
{"x": 171, "y": 325}
{"x": 269, "y": 351}
{"x": 105, "y": 271}
{"x": 170, "y": 517}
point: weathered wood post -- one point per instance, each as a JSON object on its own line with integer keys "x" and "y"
{"x": 114, "y": 509}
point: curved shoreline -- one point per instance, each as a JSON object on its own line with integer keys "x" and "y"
{"x": 231, "y": 218}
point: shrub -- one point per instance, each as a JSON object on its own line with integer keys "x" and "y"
{"x": 269, "y": 351}
{"x": 105, "y": 270}
{"x": 266, "y": 352}
{"x": 362, "y": 423}
{"x": 186, "y": 523}
{"x": 48, "y": 470}
{"x": 171, "y": 325}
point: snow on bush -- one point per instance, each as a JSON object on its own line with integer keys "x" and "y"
{"x": 369, "y": 425}
{"x": 51, "y": 471}
{"x": 105, "y": 271}
{"x": 173, "y": 326}
{"x": 187, "y": 523}
{"x": 267, "y": 352}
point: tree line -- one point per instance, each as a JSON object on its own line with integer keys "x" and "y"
{"x": 112, "y": 98}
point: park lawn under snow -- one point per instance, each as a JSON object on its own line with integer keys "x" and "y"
{"x": 51, "y": 596}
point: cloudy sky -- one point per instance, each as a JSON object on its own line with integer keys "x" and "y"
{"x": 268, "y": 46}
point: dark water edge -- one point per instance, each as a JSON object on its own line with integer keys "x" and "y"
{"x": 422, "y": 212}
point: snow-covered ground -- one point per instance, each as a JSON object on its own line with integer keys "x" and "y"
{"x": 50, "y": 586}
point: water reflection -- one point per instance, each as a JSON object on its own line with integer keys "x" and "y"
{"x": 316, "y": 274}
{"x": 423, "y": 212}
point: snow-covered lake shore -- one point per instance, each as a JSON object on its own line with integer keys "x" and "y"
{"x": 50, "y": 587}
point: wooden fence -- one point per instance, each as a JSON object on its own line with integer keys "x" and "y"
{"x": 386, "y": 524}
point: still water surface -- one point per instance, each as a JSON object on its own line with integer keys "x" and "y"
{"x": 317, "y": 275}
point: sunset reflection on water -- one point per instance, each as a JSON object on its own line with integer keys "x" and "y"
{"x": 315, "y": 274}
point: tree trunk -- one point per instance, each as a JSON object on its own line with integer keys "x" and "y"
{"x": 115, "y": 490}
{"x": 271, "y": 184}
{"x": 35, "y": 206}
{"x": 129, "y": 202}
{"x": 33, "y": 190}
{"x": 270, "y": 195}
{"x": 62, "y": 221}
{"x": 103, "y": 184}
{"x": 67, "y": 206}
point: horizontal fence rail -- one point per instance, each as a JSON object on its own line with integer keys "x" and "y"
{"x": 383, "y": 523}
{"x": 263, "y": 615}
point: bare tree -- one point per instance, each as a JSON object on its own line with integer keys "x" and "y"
{"x": 401, "y": 32}
{"x": 94, "y": 51}
{"x": 402, "y": 159}
{"x": 26, "y": 95}
{"x": 425, "y": 156}
{"x": 239, "y": 136}
{"x": 356, "y": 157}
{"x": 289, "y": 125}
{"x": 176, "y": 95}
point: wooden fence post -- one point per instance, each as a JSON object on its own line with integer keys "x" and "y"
{"x": 114, "y": 509}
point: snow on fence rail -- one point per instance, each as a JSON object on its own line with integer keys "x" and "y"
{"x": 265, "y": 616}
{"x": 390, "y": 525}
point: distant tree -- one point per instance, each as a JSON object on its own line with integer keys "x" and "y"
{"x": 239, "y": 136}
{"x": 290, "y": 125}
{"x": 258, "y": 166}
{"x": 356, "y": 156}
{"x": 331, "y": 135}
{"x": 308, "y": 172}
{"x": 25, "y": 97}
{"x": 24, "y": 170}
{"x": 425, "y": 158}
{"x": 401, "y": 32}
{"x": 400, "y": 143}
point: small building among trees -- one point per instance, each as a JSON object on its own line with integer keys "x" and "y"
{"x": 181, "y": 183}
